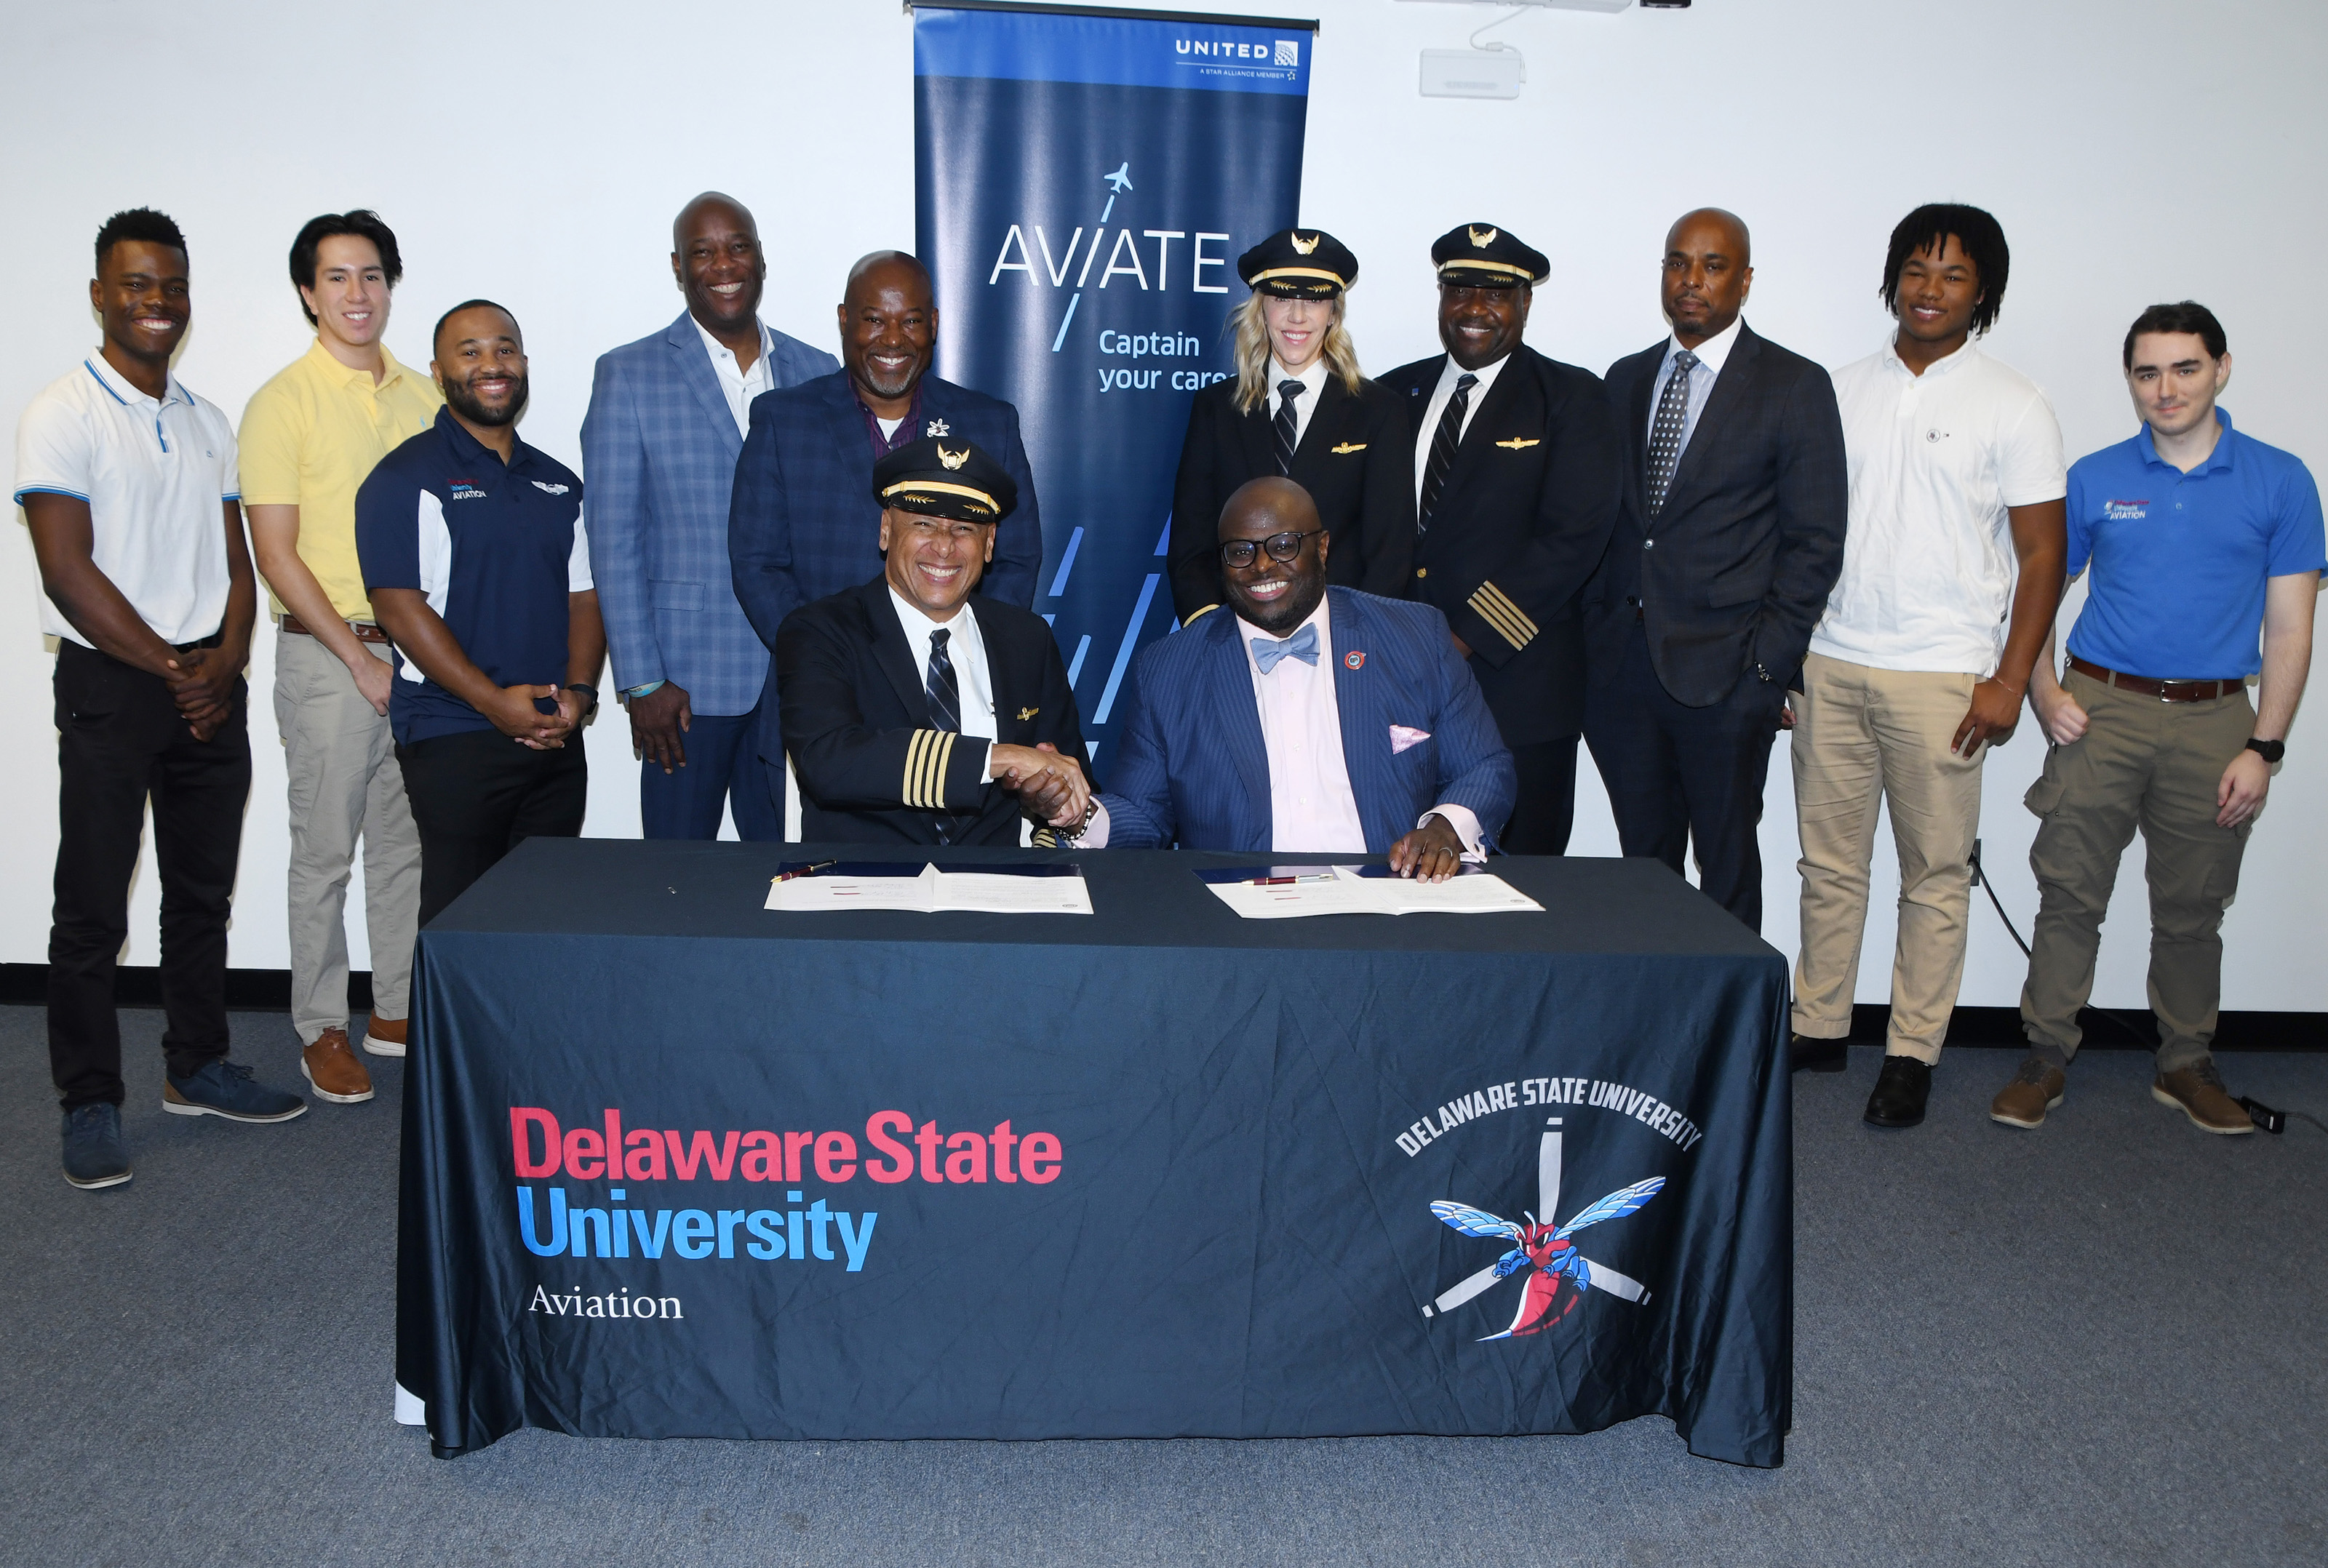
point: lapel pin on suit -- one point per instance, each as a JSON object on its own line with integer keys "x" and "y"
{"x": 1354, "y": 659}
{"x": 1025, "y": 713}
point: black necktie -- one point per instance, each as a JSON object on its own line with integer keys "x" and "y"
{"x": 1286, "y": 391}
{"x": 945, "y": 703}
{"x": 1665, "y": 434}
{"x": 1443, "y": 448}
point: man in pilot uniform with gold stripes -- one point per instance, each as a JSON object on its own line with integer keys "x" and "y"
{"x": 916, "y": 711}
{"x": 1517, "y": 474}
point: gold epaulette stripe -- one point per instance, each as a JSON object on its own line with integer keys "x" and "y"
{"x": 927, "y": 755}
{"x": 1504, "y": 616}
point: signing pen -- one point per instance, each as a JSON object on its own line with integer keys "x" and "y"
{"x": 807, "y": 870}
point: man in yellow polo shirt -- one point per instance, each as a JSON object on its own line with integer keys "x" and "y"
{"x": 309, "y": 438}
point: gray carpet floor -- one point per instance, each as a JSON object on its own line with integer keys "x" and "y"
{"x": 2101, "y": 1342}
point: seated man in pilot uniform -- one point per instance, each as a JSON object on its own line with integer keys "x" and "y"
{"x": 915, "y": 711}
{"x": 1311, "y": 718}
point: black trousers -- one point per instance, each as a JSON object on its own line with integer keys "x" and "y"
{"x": 476, "y": 794}
{"x": 1545, "y": 809}
{"x": 120, "y": 742}
{"x": 1677, "y": 774}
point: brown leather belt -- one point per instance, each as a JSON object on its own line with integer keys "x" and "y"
{"x": 364, "y": 629}
{"x": 2165, "y": 691}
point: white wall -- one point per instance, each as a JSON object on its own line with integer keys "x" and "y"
{"x": 2137, "y": 150}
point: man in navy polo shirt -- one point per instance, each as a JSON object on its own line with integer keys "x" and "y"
{"x": 2197, "y": 534}
{"x": 477, "y": 566}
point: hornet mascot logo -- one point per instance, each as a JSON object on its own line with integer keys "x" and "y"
{"x": 1562, "y": 1274}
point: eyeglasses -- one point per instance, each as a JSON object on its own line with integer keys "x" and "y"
{"x": 1243, "y": 553}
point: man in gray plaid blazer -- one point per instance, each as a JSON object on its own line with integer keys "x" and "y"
{"x": 667, "y": 419}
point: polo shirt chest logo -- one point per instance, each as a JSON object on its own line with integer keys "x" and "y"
{"x": 555, "y": 490}
{"x": 462, "y": 490}
{"x": 2126, "y": 511}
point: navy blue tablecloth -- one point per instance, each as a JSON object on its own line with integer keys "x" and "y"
{"x": 1158, "y": 1171}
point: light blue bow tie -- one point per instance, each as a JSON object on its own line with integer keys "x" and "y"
{"x": 1302, "y": 645}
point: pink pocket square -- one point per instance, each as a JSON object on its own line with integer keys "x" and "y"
{"x": 1401, "y": 738}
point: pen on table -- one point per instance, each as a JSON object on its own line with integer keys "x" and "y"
{"x": 1287, "y": 882}
{"x": 807, "y": 870}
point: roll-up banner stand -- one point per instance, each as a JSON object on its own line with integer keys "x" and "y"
{"x": 1084, "y": 182}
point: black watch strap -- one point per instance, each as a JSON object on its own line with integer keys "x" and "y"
{"x": 2270, "y": 751}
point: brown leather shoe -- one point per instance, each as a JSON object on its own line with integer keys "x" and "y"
{"x": 2035, "y": 1089}
{"x": 384, "y": 1036}
{"x": 333, "y": 1069}
{"x": 2198, "y": 1093}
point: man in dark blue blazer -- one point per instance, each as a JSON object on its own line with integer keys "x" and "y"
{"x": 1308, "y": 719}
{"x": 659, "y": 445}
{"x": 804, "y": 524}
{"x": 1729, "y": 541}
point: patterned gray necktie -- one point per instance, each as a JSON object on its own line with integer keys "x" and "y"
{"x": 1286, "y": 391}
{"x": 1665, "y": 435}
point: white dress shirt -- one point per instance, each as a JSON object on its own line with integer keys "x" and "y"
{"x": 1311, "y": 806}
{"x": 1441, "y": 396}
{"x": 1313, "y": 384}
{"x": 1936, "y": 460}
{"x": 741, "y": 386}
{"x": 967, "y": 650}
{"x": 1712, "y": 355}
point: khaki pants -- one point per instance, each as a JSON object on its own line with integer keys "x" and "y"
{"x": 2155, "y": 766}
{"x": 1865, "y": 736}
{"x": 344, "y": 784}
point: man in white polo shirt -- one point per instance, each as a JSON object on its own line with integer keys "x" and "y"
{"x": 128, "y": 482}
{"x": 1951, "y": 568}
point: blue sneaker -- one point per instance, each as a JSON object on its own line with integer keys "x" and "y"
{"x": 94, "y": 1155}
{"x": 223, "y": 1088}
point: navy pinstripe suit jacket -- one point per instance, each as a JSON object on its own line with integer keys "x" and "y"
{"x": 1191, "y": 768}
{"x": 804, "y": 525}
{"x": 659, "y": 451}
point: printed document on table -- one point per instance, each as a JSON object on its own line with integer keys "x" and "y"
{"x": 1287, "y": 892}
{"x": 1029, "y": 889}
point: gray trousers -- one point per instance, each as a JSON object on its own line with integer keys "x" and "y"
{"x": 2154, "y": 767}
{"x": 344, "y": 785}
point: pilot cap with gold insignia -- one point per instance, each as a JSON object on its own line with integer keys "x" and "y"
{"x": 1299, "y": 264}
{"x": 936, "y": 477}
{"x": 1483, "y": 255}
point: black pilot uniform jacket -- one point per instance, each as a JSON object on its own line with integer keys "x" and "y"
{"x": 872, "y": 769}
{"x": 1520, "y": 524}
{"x": 1356, "y": 461}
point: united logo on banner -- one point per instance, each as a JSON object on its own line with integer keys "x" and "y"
{"x": 1084, "y": 183}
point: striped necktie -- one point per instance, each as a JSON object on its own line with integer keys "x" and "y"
{"x": 1287, "y": 423}
{"x": 944, "y": 696}
{"x": 1443, "y": 441}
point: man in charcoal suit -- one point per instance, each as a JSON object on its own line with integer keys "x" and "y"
{"x": 1728, "y": 543}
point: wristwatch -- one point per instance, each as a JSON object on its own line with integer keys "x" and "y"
{"x": 576, "y": 686}
{"x": 2270, "y": 751}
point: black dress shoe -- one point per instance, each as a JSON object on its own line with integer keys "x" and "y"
{"x": 1805, "y": 1054}
{"x": 1899, "y": 1093}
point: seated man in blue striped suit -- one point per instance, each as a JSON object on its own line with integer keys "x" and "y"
{"x": 918, "y": 711}
{"x": 1310, "y": 718}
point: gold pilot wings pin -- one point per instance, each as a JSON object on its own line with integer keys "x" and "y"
{"x": 1518, "y": 443}
{"x": 1346, "y": 448}
{"x": 1025, "y": 713}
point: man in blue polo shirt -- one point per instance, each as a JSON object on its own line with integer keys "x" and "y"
{"x": 2197, "y": 534}
{"x": 478, "y": 569}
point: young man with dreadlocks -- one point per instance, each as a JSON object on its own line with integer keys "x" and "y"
{"x": 1951, "y": 570}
